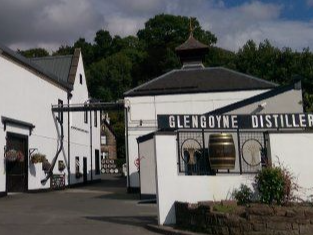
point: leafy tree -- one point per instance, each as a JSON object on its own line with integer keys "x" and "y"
{"x": 109, "y": 78}
{"x": 86, "y": 49}
{"x": 64, "y": 50}
{"x": 220, "y": 57}
{"x": 34, "y": 52}
{"x": 103, "y": 42}
{"x": 160, "y": 37}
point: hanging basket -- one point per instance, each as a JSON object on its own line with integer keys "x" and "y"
{"x": 37, "y": 158}
{"x": 12, "y": 155}
{"x": 46, "y": 166}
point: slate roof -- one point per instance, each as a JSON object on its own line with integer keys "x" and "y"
{"x": 191, "y": 44}
{"x": 199, "y": 80}
{"x": 57, "y": 65}
{"x": 52, "y": 69}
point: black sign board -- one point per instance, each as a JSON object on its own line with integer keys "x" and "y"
{"x": 259, "y": 121}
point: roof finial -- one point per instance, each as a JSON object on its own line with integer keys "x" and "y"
{"x": 191, "y": 29}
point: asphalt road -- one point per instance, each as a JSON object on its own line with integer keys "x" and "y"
{"x": 101, "y": 208}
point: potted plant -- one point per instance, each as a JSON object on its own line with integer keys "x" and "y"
{"x": 46, "y": 166}
{"x": 37, "y": 158}
{"x": 61, "y": 166}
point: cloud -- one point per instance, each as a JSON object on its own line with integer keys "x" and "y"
{"x": 33, "y": 23}
{"x": 30, "y": 23}
{"x": 309, "y": 3}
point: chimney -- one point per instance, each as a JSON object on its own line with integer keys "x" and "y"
{"x": 192, "y": 52}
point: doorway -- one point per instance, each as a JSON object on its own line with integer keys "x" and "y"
{"x": 85, "y": 169}
{"x": 16, "y": 155}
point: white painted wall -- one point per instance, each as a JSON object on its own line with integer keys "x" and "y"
{"x": 80, "y": 131}
{"x": 28, "y": 96}
{"x": 294, "y": 151}
{"x": 172, "y": 186}
{"x": 147, "y": 168}
{"x": 275, "y": 104}
{"x": 143, "y": 111}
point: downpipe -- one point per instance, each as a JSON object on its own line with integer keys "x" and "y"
{"x": 50, "y": 172}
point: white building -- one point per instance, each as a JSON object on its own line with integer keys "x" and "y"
{"x": 194, "y": 89}
{"x": 29, "y": 88}
{"x": 198, "y": 133}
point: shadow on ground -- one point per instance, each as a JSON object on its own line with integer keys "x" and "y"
{"x": 120, "y": 196}
{"x": 138, "y": 221}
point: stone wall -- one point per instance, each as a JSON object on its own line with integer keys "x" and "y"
{"x": 256, "y": 219}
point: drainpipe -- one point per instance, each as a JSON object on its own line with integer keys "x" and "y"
{"x": 69, "y": 95}
{"x": 91, "y": 143}
{"x": 126, "y": 145}
{"x": 49, "y": 174}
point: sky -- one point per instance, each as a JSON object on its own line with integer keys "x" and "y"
{"x": 49, "y": 24}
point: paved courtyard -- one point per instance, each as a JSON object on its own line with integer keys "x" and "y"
{"x": 101, "y": 208}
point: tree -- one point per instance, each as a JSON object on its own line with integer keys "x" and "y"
{"x": 86, "y": 49}
{"x": 160, "y": 37}
{"x": 64, "y": 50}
{"x": 103, "y": 42}
{"x": 109, "y": 78}
{"x": 34, "y": 52}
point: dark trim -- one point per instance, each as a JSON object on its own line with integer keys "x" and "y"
{"x": 151, "y": 93}
{"x": 149, "y": 136}
{"x": 146, "y": 137}
{"x": 251, "y": 100}
{"x": 3, "y": 194}
{"x": 88, "y": 107}
{"x": 16, "y": 122}
{"x": 165, "y": 132}
{"x": 134, "y": 190}
{"x": 148, "y": 196}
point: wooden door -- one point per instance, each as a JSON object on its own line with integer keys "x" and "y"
{"x": 85, "y": 169}
{"x": 16, "y": 155}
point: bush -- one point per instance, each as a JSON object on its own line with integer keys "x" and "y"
{"x": 243, "y": 195}
{"x": 274, "y": 185}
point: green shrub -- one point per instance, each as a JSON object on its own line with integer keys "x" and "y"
{"x": 243, "y": 195}
{"x": 274, "y": 185}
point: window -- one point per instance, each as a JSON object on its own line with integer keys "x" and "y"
{"x": 85, "y": 117}
{"x": 104, "y": 140}
{"x": 85, "y": 114}
{"x": 97, "y": 161}
{"x": 60, "y": 113}
{"x": 76, "y": 165}
{"x": 80, "y": 78}
{"x": 95, "y": 119}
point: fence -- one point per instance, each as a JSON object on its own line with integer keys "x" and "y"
{"x": 194, "y": 152}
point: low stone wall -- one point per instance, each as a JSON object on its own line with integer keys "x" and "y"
{"x": 256, "y": 219}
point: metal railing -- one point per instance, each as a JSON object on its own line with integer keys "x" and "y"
{"x": 194, "y": 154}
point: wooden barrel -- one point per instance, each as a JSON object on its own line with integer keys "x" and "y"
{"x": 222, "y": 153}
